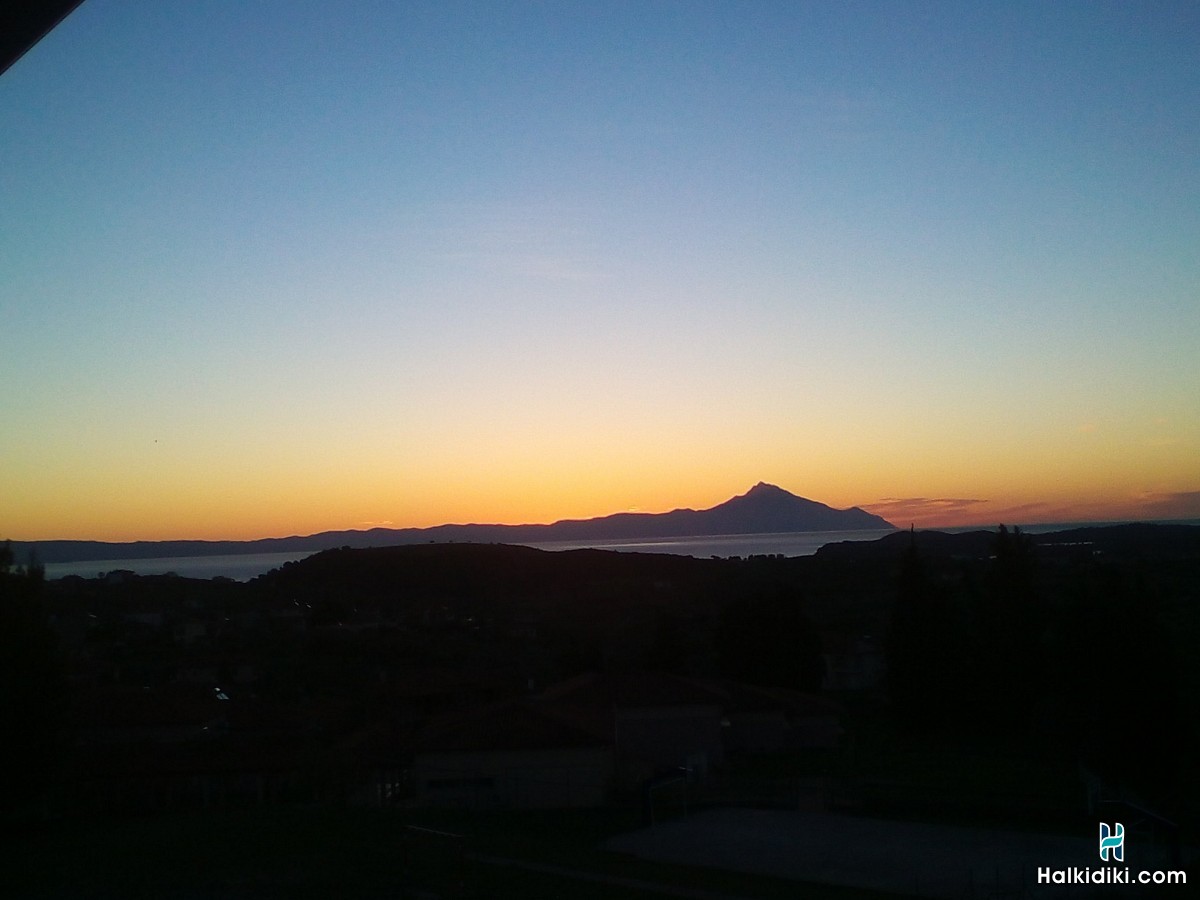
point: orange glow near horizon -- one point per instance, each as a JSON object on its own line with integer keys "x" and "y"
{"x": 714, "y": 272}
{"x": 273, "y": 511}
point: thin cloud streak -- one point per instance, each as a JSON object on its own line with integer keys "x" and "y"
{"x": 924, "y": 510}
{"x": 1171, "y": 504}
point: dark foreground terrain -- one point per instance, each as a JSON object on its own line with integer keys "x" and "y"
{"x": 475, "y": 719}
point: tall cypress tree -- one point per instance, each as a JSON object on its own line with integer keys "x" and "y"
{"x": 32, "y": 689}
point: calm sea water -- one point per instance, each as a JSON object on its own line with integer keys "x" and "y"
{"x": 788, "y": 544}
{"x": 243, "y": 567}
{"x": 240, "y": 567}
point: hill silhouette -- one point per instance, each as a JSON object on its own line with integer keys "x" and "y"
{"x": 764, "y": 509}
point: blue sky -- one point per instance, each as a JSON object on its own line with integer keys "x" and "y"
{"x": 281, "y": 267}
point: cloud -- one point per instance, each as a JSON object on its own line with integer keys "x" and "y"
{"x": 1169, "y": 504}
{"x": 925, "y": 510}
{"x": 1013, "y": 513}
{"x": 938, "y": 504}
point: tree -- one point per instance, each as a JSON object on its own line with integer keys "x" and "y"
{"x": 766, "y": 639}
{"x": 32, "y": 688}
{"x": 1119, "y": 679}
{"x": 927, "y": 667}
{"x": 1009, "y": 622}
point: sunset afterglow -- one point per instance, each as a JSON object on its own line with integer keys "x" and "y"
{"x": 273, "y": 269}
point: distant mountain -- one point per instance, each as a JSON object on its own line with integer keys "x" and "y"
{"x": 764, "y": 509}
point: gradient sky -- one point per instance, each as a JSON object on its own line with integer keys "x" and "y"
{"x": 280, "y": 267}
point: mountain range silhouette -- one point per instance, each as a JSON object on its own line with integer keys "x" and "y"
{"x": 764, "y": 509}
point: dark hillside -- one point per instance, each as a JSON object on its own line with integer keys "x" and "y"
{"x": 977, "y": 646}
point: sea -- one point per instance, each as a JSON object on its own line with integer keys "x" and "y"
{"x": 246, "y": 566}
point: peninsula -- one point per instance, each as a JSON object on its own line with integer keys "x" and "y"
{"x": 764, "y": 509}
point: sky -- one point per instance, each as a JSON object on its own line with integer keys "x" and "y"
{"x": 277, "y": 268}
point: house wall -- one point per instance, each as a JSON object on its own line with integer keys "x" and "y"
{"x": 768, "y": 732}
{"x": 521, "y": 779}
{"x": 818, "y": 731}
{"x": 857, "y": 667}
{"x": 757, "y": 732}
{"x": 660, "y": 738}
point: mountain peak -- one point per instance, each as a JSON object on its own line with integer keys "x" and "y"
{"x": 763, "y": 488}
{"x": 763, "y": 493}
{"x": 769, "y": 508}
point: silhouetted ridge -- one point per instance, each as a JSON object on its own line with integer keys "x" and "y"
{"x": 764, "y": 509}
{"x": 1147, "y": 541}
